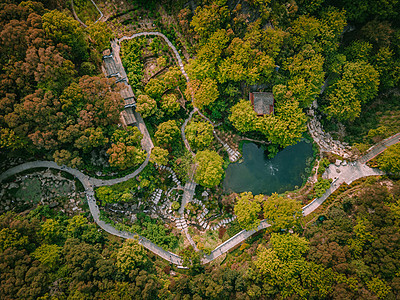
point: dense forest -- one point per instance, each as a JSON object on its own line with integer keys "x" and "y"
{"x": 350, "y": 252}
{"x": 56, "y": 104}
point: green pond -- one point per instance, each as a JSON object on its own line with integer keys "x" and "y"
{"x": 256, "y": 173}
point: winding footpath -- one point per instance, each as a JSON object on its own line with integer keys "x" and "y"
{"x": 348, "y": 173}
{"x": 89, "y": 183}
{"x": 233, "y": 155}
{"x": 343, "y": 174}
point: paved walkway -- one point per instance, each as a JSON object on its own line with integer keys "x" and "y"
{"x": 233, "y": 154}
{"x": 233, "y": 242}
{"x": 324, "y": 140}
{"x": 347, "y": 173}
{"x": 379, "y": 148}
{"x": 176, "y": 53}
{"x": 185, "y": 141}
{"x": 342, "y": 174}
{"x": 89, "y": 183}
{"x": 188, "y": 192}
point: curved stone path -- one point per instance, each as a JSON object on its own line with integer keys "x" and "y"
{"x": 347, "y": 174}
{"x": 233, "y": 155}
{"x": 89, "y": 183}
{"x": 176, "y": 53}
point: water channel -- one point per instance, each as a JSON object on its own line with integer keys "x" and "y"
{"x": 260, "y": 175}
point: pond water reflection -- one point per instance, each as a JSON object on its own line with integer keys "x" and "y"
{"x": 260, "y": 175}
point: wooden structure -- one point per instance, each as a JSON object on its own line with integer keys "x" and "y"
{"x": 262, "y": 102}
{"x": 128, "y": 117}
{"x": 116, "y": 71}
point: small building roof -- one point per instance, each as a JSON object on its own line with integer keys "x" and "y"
{"x": 129, "y": 117}
{"x": 263, "y": 102}
{"x": 110, "y": 66}
{"x": 127, "y": 92}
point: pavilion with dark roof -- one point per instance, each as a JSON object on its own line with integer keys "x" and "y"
{"x": 263, "y": 103}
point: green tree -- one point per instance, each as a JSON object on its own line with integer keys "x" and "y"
{"x": 9, "y": 140}
{"x": 209, "y": 170}
{"x": 131, "y": 136}
{"x": 155, "y": 88}
{"x": 199, "y": 134}
{"x": 131, "y": 55}
{"x": 100, "y": 35}
{"x": 173, "y": 78}
{"x": 146, "y": 106}
{"x": 305, "y": 30}
{"x": 170, "y": 104}
{"x": 91, "y": 138}
{"x": 360, "y": 11}
{"x": 50, "y": 231}
{"x": 130, "y": 256}
{"x": 248, "y": 209}
{"x": 379, "y": 287}
{"x": 306, "y": 75}
{"x": 200, "y": 69}
{"x": 243, "y": 117}
{"x": 211, "y": 51}
{"x": 167, "y": 133}
{"x": 64, "y": 29}
{"x": 64, "y": 157}
{"x": 245, "y": 64}
{"x": 390, "y": 159}
{"x": 270, "y": 40}
{"x": 208, "y": 18}
{"x": 76, "y": 226}
{"x": 124, "y": 156}
{"x": 287, "y": 126}
{"x": 287, "y": 273}
{"x": 358, "y": 50}
{"x": 203, "y": 93}
{"x": 159, "y": 156}
{"x": 11, "y": 238}
{"x": 357, "y": 85}
{"x": 388, "y": 67}
{"x": 343, "y": 102}
{"x": 107, "y": 195}
{"x": 364, "y": 78}
{"x": 49, "y": 255}
{"x": 289, "y": 246}
{"x": 282, "y": 212}
{"x": 321, "y": 186}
